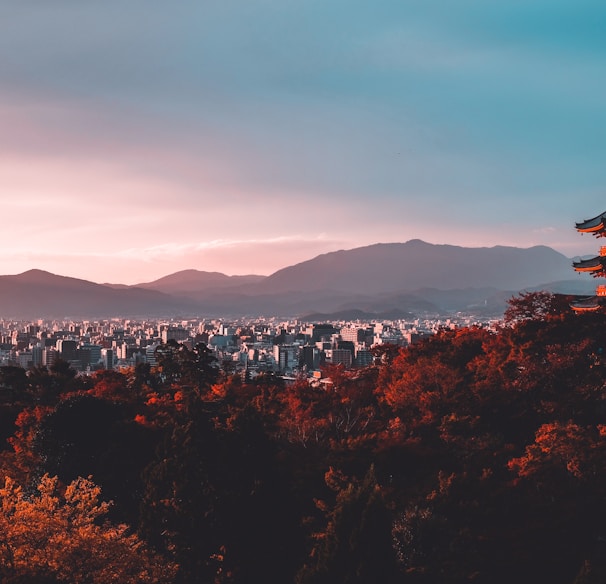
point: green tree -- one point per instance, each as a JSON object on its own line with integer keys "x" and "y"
{"x": 13, "y": 383}
{"x": 88, "y": 436}
{"x": 356, "y": 546}
{"x": 217, "y": 497}
{"x": 195, "y": 369}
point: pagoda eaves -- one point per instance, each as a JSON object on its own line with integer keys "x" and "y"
{"x": 595, "y": 225}
{"x": 589, "y": 304}
{"x": 596, "y": 266}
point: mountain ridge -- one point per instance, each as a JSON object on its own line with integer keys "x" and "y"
{"x": 414, "y": 276}
{"x": 434, "y": 265}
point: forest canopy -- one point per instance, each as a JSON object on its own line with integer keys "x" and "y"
{"x": 471, "y": 456}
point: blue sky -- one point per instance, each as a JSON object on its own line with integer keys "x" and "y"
{"x": 143, "y": 137}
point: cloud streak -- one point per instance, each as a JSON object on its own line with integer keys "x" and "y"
{"x": 212, "y": 132}
{"x": 137, "y": 264}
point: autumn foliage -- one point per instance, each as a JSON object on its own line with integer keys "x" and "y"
{"x": 472, "y": 456}
{"x": 62, "y": 534}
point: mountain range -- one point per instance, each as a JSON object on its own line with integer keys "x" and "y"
{"x": 412, "y": 278}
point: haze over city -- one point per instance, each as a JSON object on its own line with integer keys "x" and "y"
{"x": 142, "y": 138}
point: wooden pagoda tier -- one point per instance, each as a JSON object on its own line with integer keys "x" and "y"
{"x": 589, "y": 304}
{"x": 596, "y": 266}
{"x": 595, "y": 226}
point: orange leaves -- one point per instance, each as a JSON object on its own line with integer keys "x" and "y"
{"x": 561, "y": 447}
{"x": 111, "y": 385}
{"x": 219, "y": 390}
{"x": 434, "y": 378}
{"x": 422, "y": 389}
{"x": 335, "y": 480}
{"x": 141, "y": 419}
{"x": 61, "y": 534}
{"x": 22, "y": 441}
{"x": 340, "y": 415}
{"x": 161, "y": 408}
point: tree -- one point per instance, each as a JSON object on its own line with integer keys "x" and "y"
{"x": 13, "y": 383}
{"x": 112, "y": 386}
{"x": 218, "y": 500}
{"x": 560, "y": 451}
{"x": 85, "y": 435}
{"x": 62, "y": 536}
{"x": 356, "y": 546}
{"x": 534, "y": 306}
{"x": 196, "y": 368}
{"x": 46, "y": 385}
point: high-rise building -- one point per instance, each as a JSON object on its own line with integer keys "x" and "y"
{"x": 285, "y": 356}
{"x": 353, "y": 334}
{"x": 89, "y": 354}
{"x": 342, "y": 357}
{"x": 323, "y": 332}
{"x": 67, "y": 349}
{"x": 37, "y": 355}
{"x": 174, "y": 334}
{"x": 364, "y": 357}
{"x": 49, "y": 354}
{"x": 107, "y": 355}
{"x": 150, "y": 354}
{"x": 311, "y": 357}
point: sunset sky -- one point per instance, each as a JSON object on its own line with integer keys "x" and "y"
{"x": 142, "y": 137}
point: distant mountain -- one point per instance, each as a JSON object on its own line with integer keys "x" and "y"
{"x": 192, "y": 283}
{"x": 481, "y": 301}
{"x": 353, "y": 315}
{"x": 581, "y": 286}
{"x": 395, "y": 278}
{"x": 36, "y": 293}
{"x": 390, "y": 267}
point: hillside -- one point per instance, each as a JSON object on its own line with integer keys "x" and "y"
{"x": 192, "y": 282}
{"x": 413, "y": 277}
{"x": 36, "y": 293}
{"x": 389, "y": 267}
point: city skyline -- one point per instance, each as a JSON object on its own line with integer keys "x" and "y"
{"x": 140, "y": 139}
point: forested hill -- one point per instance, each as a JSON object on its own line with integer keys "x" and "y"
{"x": 473, "y": 456}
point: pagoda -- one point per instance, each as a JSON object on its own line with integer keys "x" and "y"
{"x": 595, "y": 266}
{"x": 596, "y": 226}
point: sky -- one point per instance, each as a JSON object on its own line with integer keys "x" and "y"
{"x": 143, "y": 137}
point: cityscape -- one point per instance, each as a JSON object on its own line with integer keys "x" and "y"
{"x": 247, "y": 347}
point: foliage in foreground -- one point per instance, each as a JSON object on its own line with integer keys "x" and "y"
{"x": 473, "y": 456}
{"x": 62, "y": 535}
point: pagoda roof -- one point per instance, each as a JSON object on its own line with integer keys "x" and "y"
{"x": 593, "y": 265}
{"x": 589, "y": 304}
{"x": 595, "y": 225}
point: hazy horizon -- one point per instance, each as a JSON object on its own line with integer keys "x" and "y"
{"x": 249, "y": 273}
{"x": 140, "y": 139}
